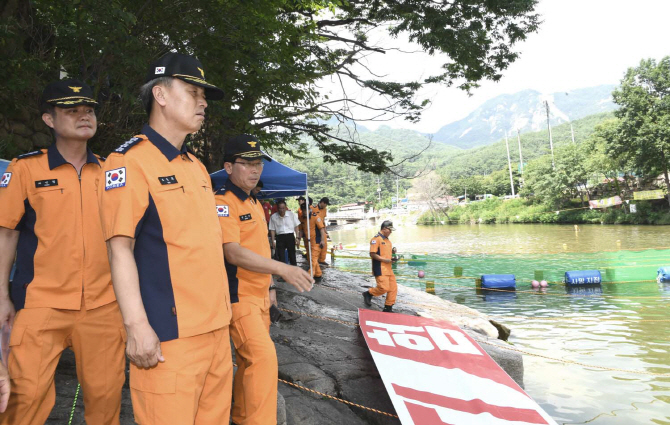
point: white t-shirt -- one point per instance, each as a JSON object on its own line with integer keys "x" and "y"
{"x": 284, "y": 225}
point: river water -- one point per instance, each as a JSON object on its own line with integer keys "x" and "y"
{"x": 622, "y": 327}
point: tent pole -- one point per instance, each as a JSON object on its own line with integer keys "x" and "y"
{"x": 309, "y": 239}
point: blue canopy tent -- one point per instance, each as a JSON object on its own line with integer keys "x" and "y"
{"x": 279, "y": 181}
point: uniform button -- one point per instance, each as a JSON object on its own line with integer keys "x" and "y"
{"x": 174, "y": 311}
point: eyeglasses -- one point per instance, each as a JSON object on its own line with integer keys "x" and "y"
{"x": 250, "y": 165}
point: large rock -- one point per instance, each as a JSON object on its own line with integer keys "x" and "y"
{"x": 331, "y": 356}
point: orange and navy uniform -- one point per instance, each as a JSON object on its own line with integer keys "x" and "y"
{"x": 382, "y": 246}
{"x": 62, "y": 288}
{"x": 61, "y": 253}
{"x": 242, "y": 221}
{"x": 322, "y": 213}
{"x": 162, "y": 197}
{"x": 383, "y": 272}
{"x": 315, "y": 225}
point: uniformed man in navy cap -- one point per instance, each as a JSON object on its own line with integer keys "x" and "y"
{"x": 61, "y": 292}
{"x": 159, "y": 221}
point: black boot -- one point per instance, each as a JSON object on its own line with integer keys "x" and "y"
{"x": 388, "y": 309}
{"x": 367, "y": 298}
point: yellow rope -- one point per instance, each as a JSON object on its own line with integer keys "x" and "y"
{"x": 330, "y": 396}
{"x": 337, "y": 399}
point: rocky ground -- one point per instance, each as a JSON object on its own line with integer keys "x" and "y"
{"x": 327, "y": 356}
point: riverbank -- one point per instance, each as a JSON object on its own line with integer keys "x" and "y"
{"x": 320, "y": 348}
{"x": 525, "y": 211}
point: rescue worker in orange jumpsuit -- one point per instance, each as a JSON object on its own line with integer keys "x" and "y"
{"x": 317, "y": 235}
{"x": 61, "y": 292}
{"x": 250, "y": 269}
{"x": 322, "y": 210}
{"x": 164, "y": 241}
{"x": 381, "y": 252}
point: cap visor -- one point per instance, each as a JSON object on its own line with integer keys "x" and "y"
{"x": 212, "y": 92}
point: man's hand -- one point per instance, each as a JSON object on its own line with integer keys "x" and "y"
{"x": 7, "y": 311}
{"x": 321, "y": 245}
{"x": 143, "y": 347}
{"x": 273, "y": 296}
{"x": 5, "y": 388}
{"x": 297, "y": 277}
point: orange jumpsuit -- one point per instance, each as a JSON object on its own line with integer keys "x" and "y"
{"x": 383, "y": 272}
{"x": 322, "y": 254}
{"x": 316, "y": 224}
{"x": 255, "y": 384}
{"x": 162, "y": 197}
{"x": 62, "y": 289}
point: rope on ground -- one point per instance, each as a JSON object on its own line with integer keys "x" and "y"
{"x": 74, "y": 403}
{"x": 509, "y": 348}
{"x": 338, "y": 399}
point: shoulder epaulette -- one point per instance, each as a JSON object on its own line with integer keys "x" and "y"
{"x": 29, "y": 154}
{"x": 127, "y": 145}
{"x": 221, "y": 191}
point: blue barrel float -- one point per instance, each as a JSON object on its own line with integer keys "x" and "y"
{"x": 663, "y": 275}
{"x": 583, "y": 277}
{"x": 498, "y": 281}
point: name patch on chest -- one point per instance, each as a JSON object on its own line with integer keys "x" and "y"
{"x": 245, "y": 217}
{"x": 167, "y": 180}
{"x": 46, "y": 183}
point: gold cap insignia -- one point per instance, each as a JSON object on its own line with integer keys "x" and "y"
{"x": 75, "y": 89}
{"x": 201, "y": 72}
{"x": 252, "y": 144}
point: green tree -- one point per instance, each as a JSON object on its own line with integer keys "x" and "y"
{"x": 269, "y": 56}
{"x": 643, "y": 135}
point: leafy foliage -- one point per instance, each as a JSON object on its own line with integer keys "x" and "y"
{"x": 269, "y": 56}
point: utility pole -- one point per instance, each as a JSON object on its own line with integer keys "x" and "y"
{"x": 551, "y": 143}
{"x": 397, "y": 193}
{"x": 379, "y": 191}
{"x": 509, "y": 164}
{"x": 518, "y": 138}
{"x": 572, "y": 132}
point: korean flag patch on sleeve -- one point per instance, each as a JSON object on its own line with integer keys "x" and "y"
{"x": 115, "y": 178}
{"x": 6, "y": 177}
{"x": 222, "y": 210}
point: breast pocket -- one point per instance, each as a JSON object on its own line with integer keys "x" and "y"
{"x": 55, "y": 198}
{"x": 171, "y": 196}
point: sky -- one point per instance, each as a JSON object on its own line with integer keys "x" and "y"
{"x": 581, "y": 43}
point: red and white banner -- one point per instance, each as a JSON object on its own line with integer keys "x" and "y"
{"x": 436, "y": 374}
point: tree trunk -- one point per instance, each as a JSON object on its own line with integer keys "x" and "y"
{"x": 665, "y": 174}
